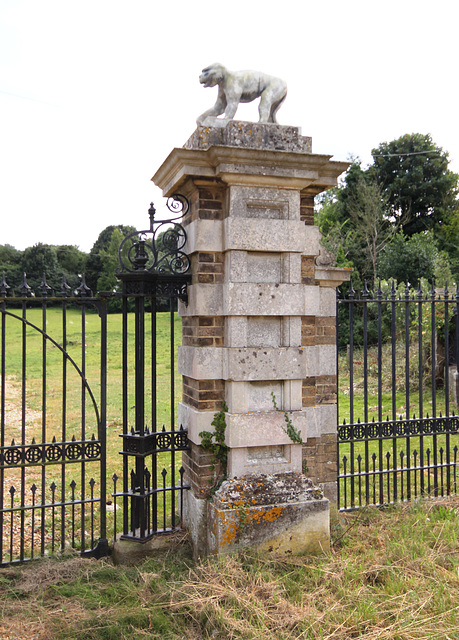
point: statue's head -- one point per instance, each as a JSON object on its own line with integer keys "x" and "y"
{"x": 212, "y": 75}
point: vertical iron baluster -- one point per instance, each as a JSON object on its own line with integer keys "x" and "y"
{"x": 447, "y": 444}
{"x": 53, "y": 514}
{"x": 402, "y": 468}
{"x": 43, "y": 392}
{"x": 2, "y": 421}
{"x": 394, "y": 388}
{"x": 434, "y": 383}
{"x": 83, "y": 422}
{"x": 148, "y": 488}
{"x": 415, "y": 462}
{"x": 33, "y": 489}
{"x": 12, "y": 492}
{"x": 23, "y": 428}
{"x": 164, "y": 474}
{"x": 181, "y": 472}
{"x": 388, "y": 471}
{"x": 172, "y": 458}
{"x": 351, "y": 389}
{"x": 114, "y": 478}
{"x": 373, "y": 457}
{"x": 125, "y": 389}
{"x": 64, "y": 417}
{"x": 441, "y": 472}
{"x": 154, "y": 418}
{"x": 345, "y": 480}
{"x": 428, "y": 472}
{"x": 359, "y": 465}
{"x": 407, "y": 391}
{"x": 380, "y": 440}
{"x": 455, "y": 468}
{"x": 365, "y": 294}
{"x": 421, "y": 388}
{"x": 72, "y": 487}
{"x": 91, "y": 485}
{"x": 102, "y": 431}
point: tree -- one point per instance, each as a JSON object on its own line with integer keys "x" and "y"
{"x": 413, "y": 174}
{"x": 408, "y": 259}
{"x": 42, "y": 259}
{"x": 11, "y": 264}
{"x": 354, "y": 222}
{"x": 95, "y": 262}
{"x": 72, "y": 263}
{"x": 371, "y": 230}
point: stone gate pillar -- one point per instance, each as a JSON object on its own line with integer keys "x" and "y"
{"x": 260, "y": 322}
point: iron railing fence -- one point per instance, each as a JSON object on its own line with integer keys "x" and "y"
{"x": 52, "y": 428}
{"x": 53, "y": 406}
{"x": 398, "y": 435}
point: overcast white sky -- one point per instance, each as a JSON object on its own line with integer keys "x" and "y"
{"x": 94, "y": 94}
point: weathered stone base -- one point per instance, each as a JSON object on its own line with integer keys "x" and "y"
{"x": 130, "y": 552}
{"x": 281, "y": 513}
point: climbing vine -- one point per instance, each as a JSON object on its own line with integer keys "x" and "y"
{"x": 215, "y": 441}
{"x": 293, "y": 433}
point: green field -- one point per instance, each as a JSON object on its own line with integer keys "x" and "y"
{"x": 50, "y": 377}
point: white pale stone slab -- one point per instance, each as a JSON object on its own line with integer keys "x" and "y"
{"x": 204, "y": 235}
{"x": 327, "y": 302}
{"x": 203, "y": 300}
{"x": 201, "y": 363}
{"x": 265, "y": 363}
{"x": 245, "y": 460}
{"x": 320, "y": 420}
{"x": 252, "y": 299}
{"x": 251, "y": 364}
{"x": 260, "y": 428}
{"x": 264, "y": 331}
{"x": 263, "y": 203}
{"x": 320, "y": 360}
{"x": 195, "y": 421}
{"x": 266, "y": 235}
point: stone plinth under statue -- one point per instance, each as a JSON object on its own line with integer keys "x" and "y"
{"x": 259, "y": 327}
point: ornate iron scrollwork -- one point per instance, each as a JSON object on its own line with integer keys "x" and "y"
{"x": 158, "y": 249}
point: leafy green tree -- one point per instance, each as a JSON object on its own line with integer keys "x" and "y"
{"x": 11, "y": 264}
{"x": 408, "y": 259}
{"x": 42, "y": 259}
{"x": 72, "y": 263}
{"x": 95, "y": 261}
{"x": 413, "y": 174}
{"x": 448, "y": 239}
{"x": 354, "y": 222}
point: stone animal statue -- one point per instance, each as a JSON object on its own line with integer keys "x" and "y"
{"x": 235, "y": 87}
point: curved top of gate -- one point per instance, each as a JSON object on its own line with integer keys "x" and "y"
{"x": 159, "y": 249}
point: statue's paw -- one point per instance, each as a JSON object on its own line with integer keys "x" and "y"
{"x": 212, "y": 121}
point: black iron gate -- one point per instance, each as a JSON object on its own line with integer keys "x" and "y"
{"x": 398, "y": 435}
{"x": 154, "y": 268}
{"x": 53, "y": 462}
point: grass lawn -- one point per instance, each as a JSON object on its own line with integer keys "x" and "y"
{"x": 45, "y": 389}
{"x": 392, "y": 574}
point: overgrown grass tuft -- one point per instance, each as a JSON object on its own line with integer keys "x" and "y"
{"x": 392, "y": 574}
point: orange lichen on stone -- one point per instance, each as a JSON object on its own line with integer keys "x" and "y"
{"x": 229, "y": 533}
{"x": 273, "y": 514}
